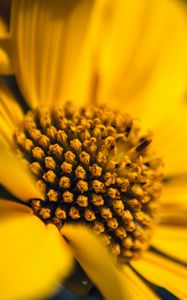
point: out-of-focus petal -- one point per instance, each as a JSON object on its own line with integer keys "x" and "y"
{"x": 172, "y": 241}
{"x": 6, "y": 133}
{"x": 173, "y": 202}
{"x": 170, "y": 138}
{"x": 47, "y": 42}
{"x": 33, "y": 257}
{"x": 16, "y": 178}
{"x": 5, "y": 62}
{"x": 11, "y": 113}
{"x": 163, "y": 272}
{"x": 137, "y": 286}
{"x": 9, "y": 108}
{"x": 97, "y": 262}
{"x": 142, "y": 57}
{"x": 8, "y": 207}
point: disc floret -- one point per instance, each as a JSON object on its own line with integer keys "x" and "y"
{"x": 94, "y": 166}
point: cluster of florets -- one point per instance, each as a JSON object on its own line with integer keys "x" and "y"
{"x": 94, "y": 167}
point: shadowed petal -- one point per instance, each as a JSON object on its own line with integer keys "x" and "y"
{"x": 5, "y": 63}
{"x": 9, "y": 108}
{"x": 137, "y": 286}
{"x": 96, "y": 262}
{"x": 10, "y": 113}
{"x": 163, "y": 272}
{"x": 16, "y": 178}
{"x": 8, "y": 208}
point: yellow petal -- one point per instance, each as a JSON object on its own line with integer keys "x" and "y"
{"x": 5, "y": 63}
{"x": 174, "y": 193}
{"x": 137, "y": 286}
{"x": 33, "y": 258}
{"x": 10, "y": 113}
{"x": 8, "y": 207}
{"x": 96, "y": 262}
{"x": 142, "y": 57}
{"x": 171, "y": 140}
{"x": 9, "y": 108}
{"x": 47, "y": 41}
{"x": 6, "y": 133}
{"x": 171, "y": 240}
{"x": 16, "y": 178}
{"x": 163, "y": 272}
{"x": 173, "y": 203}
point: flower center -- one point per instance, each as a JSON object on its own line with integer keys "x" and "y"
{"x": 94, "y": 167}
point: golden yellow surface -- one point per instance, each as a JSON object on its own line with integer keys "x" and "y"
{"x": 130, "y": 55}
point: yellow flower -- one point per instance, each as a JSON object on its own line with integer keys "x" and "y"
{"x": 133, "y": 57}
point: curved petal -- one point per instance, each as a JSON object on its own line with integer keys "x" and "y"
{"x": 147, "y": 40}
{"x": 163, "y": 272}
{"x": 8, "y": 208}
{"x": 16, "y": 178}
{"x": 47, "y": 42}
{"x": 5, "y": 63}
{"x": 96, "y": 262}
{"x": 33, "y": 258}
{"x": 171, "y": 241}
{"x": 142, "y": 57}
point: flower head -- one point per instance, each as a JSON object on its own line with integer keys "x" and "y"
{"x": 69, "y": 169}
{"x": 94, "y": 167}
